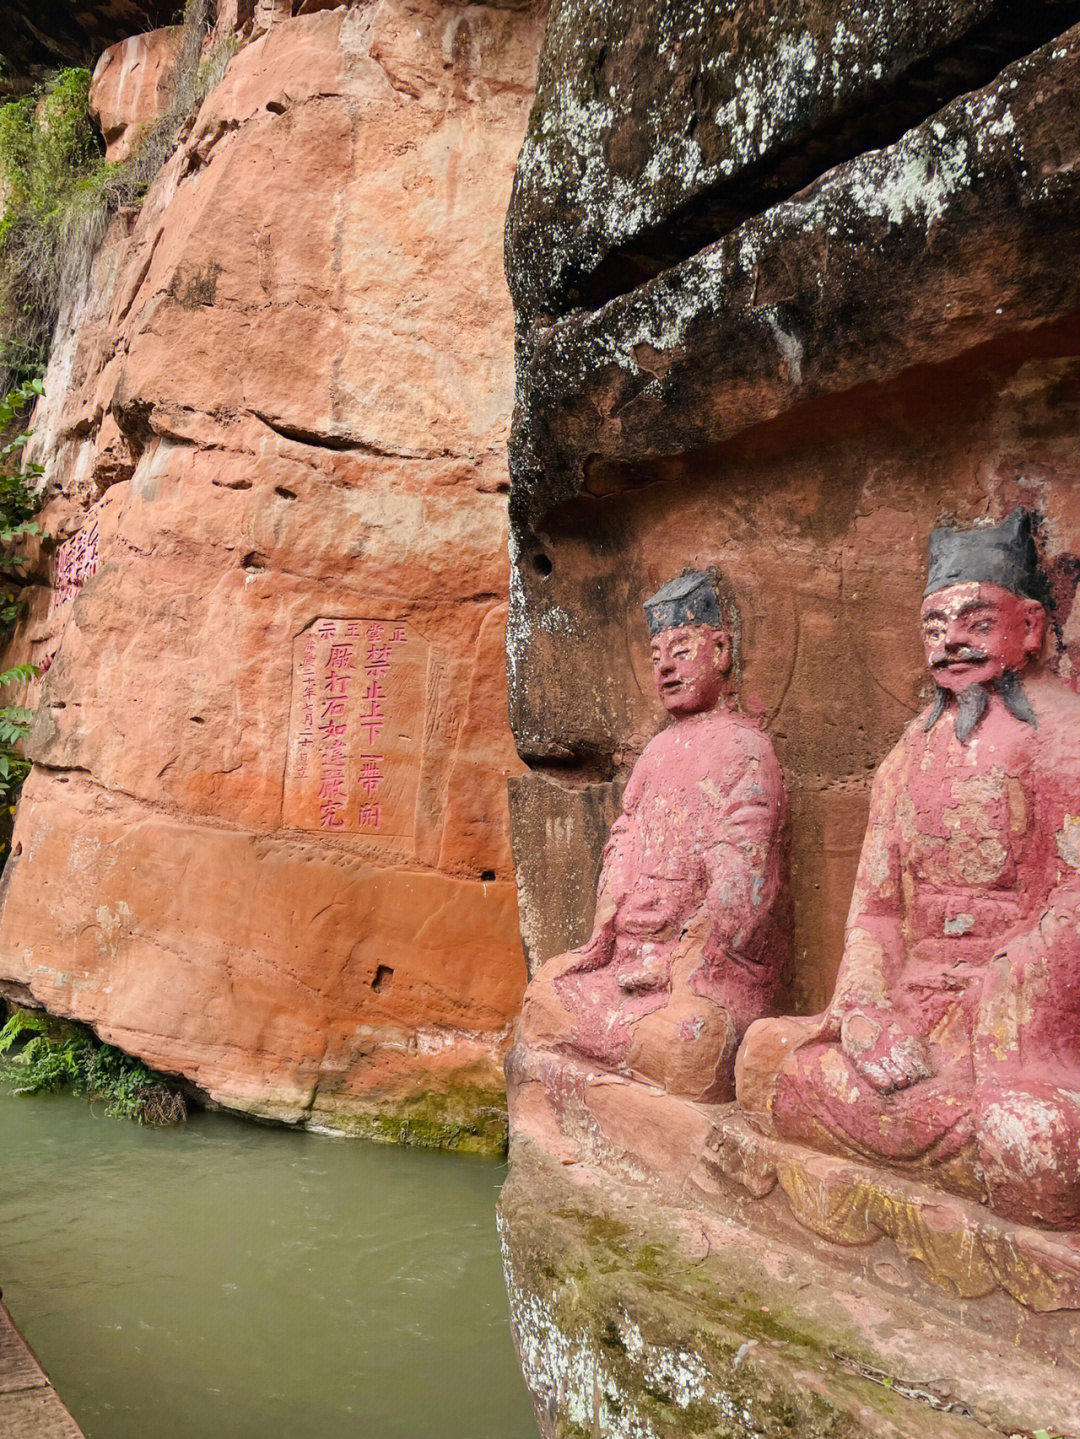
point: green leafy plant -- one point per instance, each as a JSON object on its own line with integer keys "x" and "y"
{"x": 59, "y": 192}
{"x": 19, "y": 501}
{"x": 40, "y": 1054}
{"x": 50, "y": 159}
{"x": 15, "y": 721}
{"x": 19, "y": 494}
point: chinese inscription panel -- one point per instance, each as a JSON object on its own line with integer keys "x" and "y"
{"x": 76, "y": 560}
{"x": 356, "y": 728}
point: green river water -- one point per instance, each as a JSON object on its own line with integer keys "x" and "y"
{"x": 223, "y": 1280}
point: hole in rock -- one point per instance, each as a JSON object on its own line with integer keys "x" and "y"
{"x": 59, "y": 705}
{"x": 16, "y": 848}
{"x": 488, "y": 876}
{"x": 284, "y": 494}
{"x": 254, "y": 563}
{"x": 384, "y": 977}
{"x": 276, "y": 107}
{"x": 542, "y": 565}
{"x": 196, "y": 719}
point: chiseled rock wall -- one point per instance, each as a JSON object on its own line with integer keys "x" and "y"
{"x": 277, "y": 426}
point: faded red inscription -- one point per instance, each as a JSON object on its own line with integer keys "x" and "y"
{"x": 356, "y": 728}
{"x": 76, "y": 561}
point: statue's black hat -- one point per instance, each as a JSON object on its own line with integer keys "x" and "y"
{"x": 1003, "y": 554}
{"x": 689, "y": 599}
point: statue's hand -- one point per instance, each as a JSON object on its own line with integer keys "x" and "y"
{"x": 646, "y": 973}
{"x": 594, "y": 954}
{"x": 883, "y": 1051}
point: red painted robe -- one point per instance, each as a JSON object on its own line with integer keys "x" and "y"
{"x": 693, "y": 875}
{"x": 965, "y": 928}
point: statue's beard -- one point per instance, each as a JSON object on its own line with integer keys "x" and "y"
{"x": 972, "y": 704}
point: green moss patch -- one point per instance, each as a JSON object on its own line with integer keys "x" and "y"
{"x": 464, "y": 1118}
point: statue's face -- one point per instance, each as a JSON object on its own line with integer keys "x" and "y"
{"x": 690, "y": 665}
{"x": 975, "y": 632}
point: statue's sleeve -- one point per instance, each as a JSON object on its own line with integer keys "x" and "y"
{"x": 1029, "y": 1019}
{"x": 598, "y": 948}
{"x": 744, "y": 860}
{"x": 873, "y": 937}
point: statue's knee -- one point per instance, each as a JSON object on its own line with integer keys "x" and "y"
{"x": 1029, "y": 1153}
{"x": 688, "y": 1047}
{"x": 767, "y": 1046}
{"x": 544, "y": 1017}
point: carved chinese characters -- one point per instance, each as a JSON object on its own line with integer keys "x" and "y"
{"x": 356, "y": 728}
{"x": 690, "y": 933}
{"x": 76, "y": 560}
{"x": 951, "y": 1048}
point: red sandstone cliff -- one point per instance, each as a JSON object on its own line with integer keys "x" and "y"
{"x": 265, "y": 842}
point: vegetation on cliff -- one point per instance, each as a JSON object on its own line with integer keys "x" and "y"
{"x": 58, "y": 192}
{"x": 19, "y": 501}
{"x": 49, "y": 158}
{"x": 40, "y": 1054}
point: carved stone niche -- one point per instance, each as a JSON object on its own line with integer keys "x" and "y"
{"x": 893, "y": 1202}
{"x": 792, "y": 349}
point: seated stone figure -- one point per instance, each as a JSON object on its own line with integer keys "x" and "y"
{"x": 951, "y": 1048}
{"x": 691, "y": 917}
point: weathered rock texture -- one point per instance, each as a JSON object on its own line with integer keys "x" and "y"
{"x": 659, "y": 126}
{"x": 133, "y": 83}
{"x": 265, "y": 843}
{"x": 633, "y": 1320}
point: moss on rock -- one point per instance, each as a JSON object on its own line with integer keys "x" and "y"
{"x": 464, "y": 1118}
{"x": 627, "y": 1330}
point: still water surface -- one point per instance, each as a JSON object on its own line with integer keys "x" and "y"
{"x": 223, "y": 1280}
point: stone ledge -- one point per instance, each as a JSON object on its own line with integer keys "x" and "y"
{"x": 635, "y": 1320}
{"x": 904, "y": 256}
{"x": 912, "y": 1288}
{"x": 30, "y": 1407}
{"x": 962, "y": 1245}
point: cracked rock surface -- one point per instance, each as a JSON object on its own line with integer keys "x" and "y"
{"x": 284, "y": 400}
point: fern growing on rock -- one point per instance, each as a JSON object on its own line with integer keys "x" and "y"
{"x": 40, "y": 1054}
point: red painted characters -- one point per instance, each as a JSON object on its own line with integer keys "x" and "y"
{"x": 951, "y": 1048}
{"x": 352, "y": 680}
{"x": 691, "y": 922}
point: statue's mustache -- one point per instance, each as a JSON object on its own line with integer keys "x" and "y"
{"x": 965, "y": 655}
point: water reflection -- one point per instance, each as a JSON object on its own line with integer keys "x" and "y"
{"x": 224, "y": 1279}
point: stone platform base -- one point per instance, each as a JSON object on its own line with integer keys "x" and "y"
{"x": 800, "y": 1295}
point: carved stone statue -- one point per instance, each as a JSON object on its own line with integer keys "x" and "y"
{"x": 951, "y": 1048}
{"x": 691, "y": 916}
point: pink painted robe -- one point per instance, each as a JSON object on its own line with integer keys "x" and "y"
{"x": 964, "y": 927}
{"x": 693, "y": 886}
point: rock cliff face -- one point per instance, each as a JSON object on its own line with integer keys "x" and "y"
{"x": 265, "y": 841}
